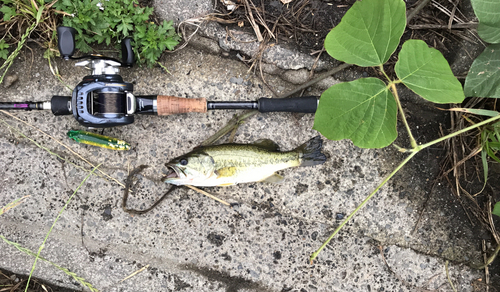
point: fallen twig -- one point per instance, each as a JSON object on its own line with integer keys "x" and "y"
{"x": 316, "y": 80}
{"x": 252, "y": 21}
{"x": 442, "y": 26}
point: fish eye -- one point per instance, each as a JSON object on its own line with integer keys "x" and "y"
{"x": 183, "y": 161}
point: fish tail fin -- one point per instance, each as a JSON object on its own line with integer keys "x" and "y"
{"x": 311, "y": 152}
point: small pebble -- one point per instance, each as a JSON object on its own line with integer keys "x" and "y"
{"x": 236, "y": 80}
{"x": 9, "y": 80}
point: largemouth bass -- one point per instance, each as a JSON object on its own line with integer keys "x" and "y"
{"x": 229, "y": 164}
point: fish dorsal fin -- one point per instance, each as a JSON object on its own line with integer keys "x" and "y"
{"x": 274, "y": 178}
{"x": 267, "y": 144}
{"x": 225, "y": 171}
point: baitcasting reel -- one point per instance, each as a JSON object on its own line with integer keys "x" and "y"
{"x": 102, "y": 99}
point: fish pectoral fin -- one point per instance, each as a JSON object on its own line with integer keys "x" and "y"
{"x": 226, "y": 171}
{"x": 225, "y": 185}
{"x": 267, "y": 144}
{"x": 274, "y": 178}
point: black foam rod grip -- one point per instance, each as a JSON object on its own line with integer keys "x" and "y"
{"x": 305, "y": 104}
{"x": 127, "y": 53}
{"x": 66, "y": 41}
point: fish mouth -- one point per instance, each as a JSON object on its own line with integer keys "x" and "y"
{"x": 173, "y": 172}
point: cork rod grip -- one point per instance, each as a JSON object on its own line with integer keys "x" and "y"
{"x": 169, "y": 105}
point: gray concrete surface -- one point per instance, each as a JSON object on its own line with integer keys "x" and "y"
{"x": 191, "y": 242}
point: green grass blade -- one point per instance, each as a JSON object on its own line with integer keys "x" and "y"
{"x": 494, "y": 145}
{"x": 485, "y": 165}
{"x": 474, "y": 111}
{"x": 39, "y": 13}
{"x": 68, "y": 272}
{"x": 492, "y": 155}
{"x": 53, "y": 224}
{"x": 12, "y": 205}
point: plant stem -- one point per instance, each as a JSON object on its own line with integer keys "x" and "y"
{"x": 415, "y": 150}
{"x": 459, "y": 132}
{"x": 490, "y": 259}
{"x": 316, "y": 253}
{"x": 448, "y": 276}
{"x": 381, "y": 68}
{"x": 403, "y": 117}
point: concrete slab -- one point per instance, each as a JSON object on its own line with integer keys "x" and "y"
{"x": 192, "y": 243}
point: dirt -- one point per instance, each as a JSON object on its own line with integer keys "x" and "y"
{"x": 12, "y": 282}
{"x": 303, "y": 23}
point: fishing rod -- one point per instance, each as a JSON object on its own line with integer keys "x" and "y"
{"x": 103, "y": 99}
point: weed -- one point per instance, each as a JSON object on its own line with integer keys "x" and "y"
{"x": 4, "y": 52}
{"x": 24, "y": 16}
{"x": 110, "y": 21}
{"x": 365, "y": 110}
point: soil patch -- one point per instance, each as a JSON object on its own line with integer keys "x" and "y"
{"x": 17, "y": 283}
{"x": 303, "y": 23}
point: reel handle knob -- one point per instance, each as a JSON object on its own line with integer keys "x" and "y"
{"x": 127, "y": 53}
{"x": 66, "y": 41}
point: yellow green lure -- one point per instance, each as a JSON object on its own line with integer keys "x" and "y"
{"x": 98, "y": 140}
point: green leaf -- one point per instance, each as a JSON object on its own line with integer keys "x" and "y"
{"x": 3, "y": 45}
{"x": 363, "y": 111}
{"x": 483, "y": 79}
{"x": 369, "y": 32}
{"x": 4, "y": 54}
{"x": 170, "y": 43}
{"x": 496, "y": 209}
{"x": 488, "y": 14}
{"x": 8, "y": 12}
{"x": 425, "y": 71}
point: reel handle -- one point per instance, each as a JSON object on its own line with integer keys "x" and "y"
{"x": 66, "y": 41}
